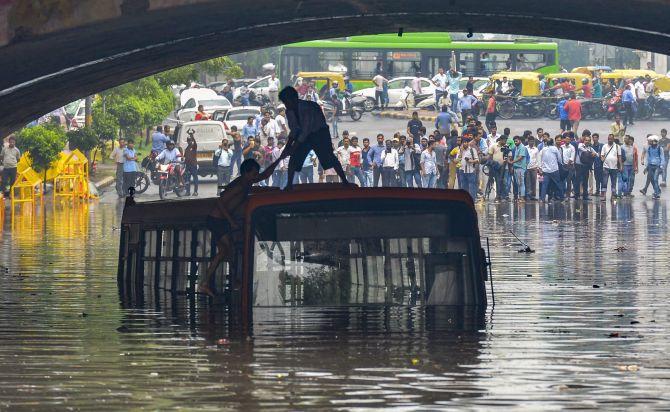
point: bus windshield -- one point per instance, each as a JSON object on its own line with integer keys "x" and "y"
{"x": 363, "y": 257}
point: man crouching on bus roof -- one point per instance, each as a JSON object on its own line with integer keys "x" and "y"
{"x": 225, "y": 221}
{"x": 309, "y": 131}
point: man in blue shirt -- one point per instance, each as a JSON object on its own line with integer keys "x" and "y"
{"x": 655, "y": 159}
{"x": 306, "y": 175}
{"x": 158, "y": 140}
{"x": 563, "y": 115}
{"x": 249, "y": 130}
{"x": 628, "y": 100}
{"x": 375, "y": 159}
{"x": 519, "y": 165}
{"x": 454, "y": 82}
{"x": 443, "y": 121}
{"x": 468, "y": 103}
{"x": 129, "y": 166}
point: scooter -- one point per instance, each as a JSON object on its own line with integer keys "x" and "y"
{"x": 346, "y": 107}
{"x": 655, "y": 105}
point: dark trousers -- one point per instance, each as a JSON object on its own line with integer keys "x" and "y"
{"x": 442, "y": 179}
{"x": 128, "y": 181}
{"x": 192, "y": 174}
{"x": 236, "y": 159}
{"x": 570, "y": 179}
{"x": 401, "y": 175}
{"x": 379, "y": 98}
{"x": 613, "y": 175}
{"x": 582, "y": 181}
{"x": 531, "y": 183}
{"x": 598, "y": 177}
{"x": 119, "y": 179}
{"x": 8, "y": 178}
{"x": 566, "y": 124}
{"x": 628, "y": 113}
{"x": 551, "y": 180}
{"x": 376, "y": 174}
{"x": 388, "y": 177}
{"x": 501, "y": 187}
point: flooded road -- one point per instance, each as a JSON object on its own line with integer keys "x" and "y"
{"x": 581, "y": 323}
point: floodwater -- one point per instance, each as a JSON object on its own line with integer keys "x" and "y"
{"x": 577, "y": 324}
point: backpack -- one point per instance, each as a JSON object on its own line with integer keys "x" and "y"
{"x": 623, "y": 155}
{"x": 215, "y": 158}
{"x": 586, "y": 159}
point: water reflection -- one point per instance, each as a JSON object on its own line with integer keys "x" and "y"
{"x": 580, "y": 323}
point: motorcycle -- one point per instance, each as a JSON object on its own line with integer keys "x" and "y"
{"x": 612, "y": 105}
{"x": 168, "y": 179}
{"x": 346, "y": 107}
{"x": 655, "y": 105}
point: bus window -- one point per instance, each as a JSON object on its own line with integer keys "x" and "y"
{"x": 403, "y": 63}
{"x": 332, "y": 61}
{"x": 294, "y": 63}
{"x": 466, "y": 63}
{"x": 490, "y": 63}
{"x": 363, "y": 64}
{"x": 434, "y": 63}
{"x": 531, "y": 61}
{"x": 357, "y": 257}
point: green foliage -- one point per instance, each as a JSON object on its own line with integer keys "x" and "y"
{"x": 84, "y": 139}
{"x": 193, "y": 72}
{"x": 139, "y": 104}
{"x": 252, "y": 62}
{"x": 43, "y": 142}
{"x": 106, "y": 126}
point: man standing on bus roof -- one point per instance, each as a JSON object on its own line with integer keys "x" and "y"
{"x": 309, "y": 131}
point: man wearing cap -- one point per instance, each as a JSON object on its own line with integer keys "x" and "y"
{"x": 655, "y": 159}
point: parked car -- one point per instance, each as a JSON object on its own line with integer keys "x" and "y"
{"x": 260, "y": 87}
{"x": 237, "y": 116}
{"x": 208, "y": 135}
{"x": 76, "y": 114}
{"x": 396, "y": 87}
{"x": 190, "y": 99}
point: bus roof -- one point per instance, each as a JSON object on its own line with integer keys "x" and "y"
{"x": 195, "y": 211}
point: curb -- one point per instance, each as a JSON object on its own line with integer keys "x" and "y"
{"x": 104, "y": 182}
{"x": 405, "y": 116}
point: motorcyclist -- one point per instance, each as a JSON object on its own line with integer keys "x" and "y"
{"x": 348, "y": 87}
{"x": 172, "y": 156}
{"x": 334, "y": 95}
{"x": 586, "y": 88}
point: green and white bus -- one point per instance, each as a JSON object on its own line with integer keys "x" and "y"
{"x": 361, "y": 56}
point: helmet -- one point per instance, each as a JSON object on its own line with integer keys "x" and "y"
{"x": 653, "y": 138}
{"x": 169, "y": 142}
{"x": 585, "y": 81}
{"x": 336, "y": 83}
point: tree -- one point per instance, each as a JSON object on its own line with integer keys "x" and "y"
{"x": 84, "y": 139}
{"x": 106, "y": 127}
{"x": 43, "y": 143}
{"x": 195, "y": 72}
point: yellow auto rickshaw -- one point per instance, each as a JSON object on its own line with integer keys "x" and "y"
{"x": 577, "y": 77}
{"x": 322, "y": 80}
{"x": 593, "y": 71}
{"x": 528, "y": 83}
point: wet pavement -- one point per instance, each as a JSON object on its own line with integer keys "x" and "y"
{"x": 581, "y": 323}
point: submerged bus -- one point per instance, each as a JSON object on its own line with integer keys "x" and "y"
{"x": 360, "y": 57}
{"x": 319, "y": 245}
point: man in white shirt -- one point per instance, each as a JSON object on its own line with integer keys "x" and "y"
{"x": 273, "y": 89}
{"x": 390, "y": 164}
{"x": 429, "y": 166}
{"x": 549, "y": 158}
{"x": 440, "y": 82}
{"x": 224, "y": 166}
{"x": 119, "y": 158}
{"x": 610, "y": 155}
{"x": 379, "y": 81}
{"x": 533, "y": 166}
{"x": 282, "y": 125}
{"x": 342, "y": 154}
{"x": 582, "y": 168}
{"x": 568, "y": 160}
{"x": 416, "y": 85}
{"x": 469, "y": 161}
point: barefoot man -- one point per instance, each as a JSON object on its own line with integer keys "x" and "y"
{"x": 309, "y": 131}
{"x": 225, "y": 221}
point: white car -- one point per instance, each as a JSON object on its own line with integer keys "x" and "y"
{"x": 190, "y": 99}
{"x": 260, "y": 87}
{"x": 480, "y": 84}
{"x": 395, "y": 88}
{"x": 237, "y": 116}
{"x": 208, "y": 134}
